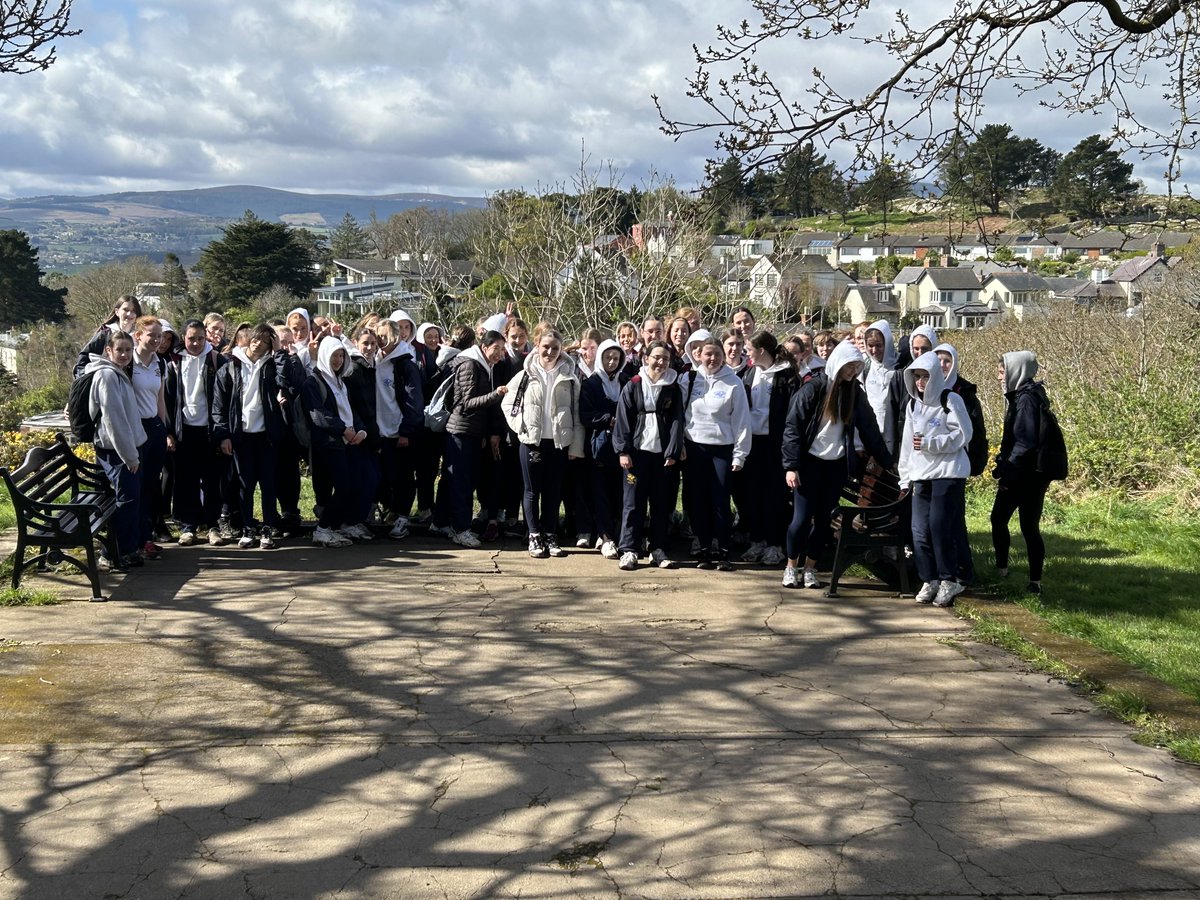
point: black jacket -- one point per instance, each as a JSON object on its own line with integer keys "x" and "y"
{"x": 476, "y": 409}
{"x": 1017, "y": 459}
{"x": 804, "y": 422}
{"x": 783, "y": 388}
{"x": 325, "y": 425}
{"x": 599, "y": 417}
{"x": 227, "y": 396}
{"x": 631, "y": 408}
{"x": 173, "y": 393}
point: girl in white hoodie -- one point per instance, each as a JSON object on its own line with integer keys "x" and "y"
{"x": 717, "y": 443}
{"x": 933, "y": 461}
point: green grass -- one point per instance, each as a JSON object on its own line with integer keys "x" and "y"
{"x": 24, "y": 597}
{"x": 1120, "y": 574}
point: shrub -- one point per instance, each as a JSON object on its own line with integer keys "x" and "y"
{"x": 1126, "y": 389}
{"x": 31, "y": 403}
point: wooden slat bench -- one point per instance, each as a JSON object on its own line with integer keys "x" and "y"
{"x": 873, "y": 526}
{"x": 62, "y": 503}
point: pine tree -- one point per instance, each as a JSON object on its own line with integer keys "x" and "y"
{"x": 23, "y": 297}
{"x": 175, "y": 280}
{"x": 252, "y": 256}
{"x": 349, "y": 240}
{"x": 1093, "y": 180}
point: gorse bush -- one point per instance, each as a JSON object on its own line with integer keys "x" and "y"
{"x": 1126, "y": 389}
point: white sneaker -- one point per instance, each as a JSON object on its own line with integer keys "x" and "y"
{"x": 773, "y": 556}
{"x": 187, "y": 537}
{"x": 348, "y": 533}
{"x": 789, "y": 577}
{"x": 928, "y": 591}
{"x": 810, "y": 579}
{"x": 947, "y": 592}
{"x": 362, "y": 532}
{"x": 327, "y": 537}
{"x": 399, "y": 528}
{"x": 609, "y": 550}
{"x": 446, "y": 531}
{"x": 583, "y": 540}
{"x": 466, "y": 538}
{"x": 552, "y": 546}
{"x": 754, "y": 552}
{"x": 659, "y": 558}
{"x": 628, "y": 560}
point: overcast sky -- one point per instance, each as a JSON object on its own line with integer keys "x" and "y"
{"x": 377, "y": 96}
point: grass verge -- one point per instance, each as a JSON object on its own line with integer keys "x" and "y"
{"x": 1121, "y": 577}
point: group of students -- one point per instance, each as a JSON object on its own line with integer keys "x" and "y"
{"x": 615, "y": 429}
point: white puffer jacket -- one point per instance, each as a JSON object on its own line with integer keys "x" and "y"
{"x": 526, "y": 418}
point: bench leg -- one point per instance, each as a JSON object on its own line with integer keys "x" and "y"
{"x": 18, "y": 563}
{"x": 836, "y": 572}
{"x": 93, "y": 572}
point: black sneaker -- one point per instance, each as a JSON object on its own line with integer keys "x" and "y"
{"x": 266, "y": 539}
{"x": 248, "y": 538}
{"x": 133, "y": 561}
{"x": 552, "y": 546}
{"x": 1034, "y": 587}
{"x": 704, "y": 560}
{"x": 290, "y": 525}
{"x": 722, "y": 562}
{"x": 537, "y": 547}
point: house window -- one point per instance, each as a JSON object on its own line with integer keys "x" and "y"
{"x": 969, "y": 322}
{"x": 943, "y": 296}
{"x": 758, "y": 281}
{"x": 772, "y": 280}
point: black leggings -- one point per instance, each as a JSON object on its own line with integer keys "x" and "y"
{"x": 1028, "y": 497}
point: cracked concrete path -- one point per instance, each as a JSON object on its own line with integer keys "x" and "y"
{"x": 408, "y": 721}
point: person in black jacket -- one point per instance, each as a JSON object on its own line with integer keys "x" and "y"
{"x": 399, "y": 405}
{"x": 771, "y": 382}
{"x": 598, "y": 400}
{"x": 248, "y": 422}
{"x": 474, "y": 428}
{"x": 818, "y": 453}
{"x": 190, "y": 396}
{"x": 1021, "y": 488}
{"x": 648, "y": 437}
{"x": 126, "y": 311}
{"x": 338, "y": 438}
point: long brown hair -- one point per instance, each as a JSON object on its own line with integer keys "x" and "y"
{"x": 839, "y": 401}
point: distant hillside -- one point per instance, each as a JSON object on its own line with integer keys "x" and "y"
{"x": 227, "y": 202}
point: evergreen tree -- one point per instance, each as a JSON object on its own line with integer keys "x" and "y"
{"x": 252, "y": 256}
{"x": 175, "y": 280}
{"x": 725, "y": 186}
{"x": 23, "y": 297}
{"x": 802, "y": 183}
{"x": 885, "y": 184}
{"x": 1093, "y": 180}
{"x": 349, "y": 240}
{"x": 996, "y": 167}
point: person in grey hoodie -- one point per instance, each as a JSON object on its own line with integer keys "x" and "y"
{"x": 933, "y": 461}
{"x": 1020, "y": 487}
{"x": 119, "y": 437}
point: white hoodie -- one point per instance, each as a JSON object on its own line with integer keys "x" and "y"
{"x": 388, "y": 414}
{"x": 647, "y": 436}
{"x": 879, "y": 384}
{"x": 761, "y": 386}
{"x": 944, "y": 433}
{"x": 718, "y": 412}
{"x": 254, "y": 419}
{"x": 334, "y": 380}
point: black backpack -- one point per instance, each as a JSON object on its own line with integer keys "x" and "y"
{"x": 977, "y": 448}
{"x": 79, "y": 413}
{"x": 1052, "y": 463}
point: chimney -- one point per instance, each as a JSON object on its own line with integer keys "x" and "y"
{"x": 928, "y": 259}
{"x": 1159, "y": 249}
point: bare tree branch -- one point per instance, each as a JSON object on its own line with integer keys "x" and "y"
{"x": 28, "y": 31}
{"x": 1080, "y": 56}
